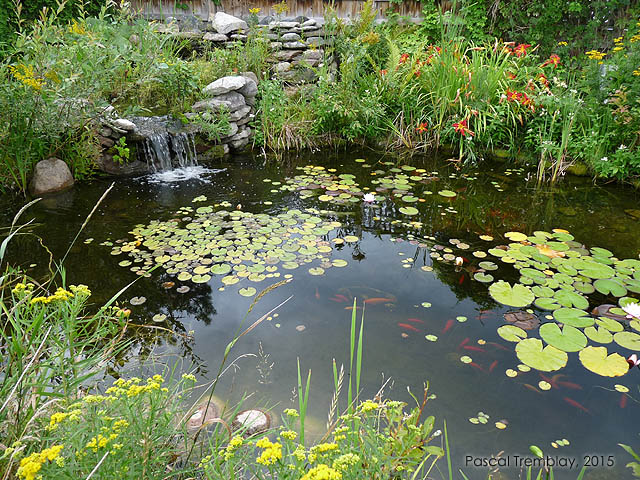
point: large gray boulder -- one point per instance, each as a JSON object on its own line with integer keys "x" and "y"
{"x": 224, "y": 85}
{"x": 50, "y": 175}
{"x": 232, "y": 101}
{"x": 225, "y": 23}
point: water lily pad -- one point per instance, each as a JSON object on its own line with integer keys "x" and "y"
{"x": 546, "y": 303}
{"x": 431, "y": 338}
{"x": 516, "y": 296}
{"x": 200, "y": 278}
{"x": 515, "y": 236}
{"x": 247, "y": 292}
{"x": 316, "y": 271}
{"x": 487, "y": 265}
{"x": 408, "y": 210}
{"x": 466, "y": 359}
{"x": 610, "y": 286}
{"x": 567, "y": 339}
{"x": 220, "y": 269}
{"x": 137, "y": 300}
{"x": 483, "y": 277}
{"x": 230, "y": 280}
{"x": 159, "y": 317}
{"x": 598, "y": 334}
{"x": 569, "y": 298}
{"x": 409, "y": 199}
{"x": 338, "y": 262}
{"x": 574, "y": 317}
{"x": 531, "y": 352}
{"x": 511, "y": 333}
{"x": 183, "y": 289}
{"x": 544, "y": 385}
{"x": 351, "y": 238}
{"x": 610, "y": 324}
{"x": 522, "y": 319}
{"x": 628, "y": 340}
{"x": 596, "y": 360}
{"x": 447, "y": 193}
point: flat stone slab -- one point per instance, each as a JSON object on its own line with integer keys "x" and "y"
{"x": 283, "y": 25}
{"x": 224, "y": 85}
{"x": 214, "y": 37}
{"x": 232, "y": 101}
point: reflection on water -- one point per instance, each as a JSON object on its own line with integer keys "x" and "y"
{"x": 405, "y": 302}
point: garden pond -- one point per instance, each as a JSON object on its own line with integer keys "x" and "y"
{"x": 433, "y": 256}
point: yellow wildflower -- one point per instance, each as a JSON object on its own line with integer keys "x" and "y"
{"x": 94, "y": 399}
{"x": 368, "y": 406}
{"x": 563, "y": 44}
{"x": 254, "y": 11}
{"x": 272, "y": 452}
{"x": 324, "y": 447}
{"x": 119, "y": 425}
{"x": 346, "y": 461}
{"x": 235, "y": 443}
{"x": 322, "y": 472}
{"x": 188, "y": 376}
{"x": 55, "y": 419}
{"x": 636, "y": 72}
{"x": 31, "y": 465}
{"x": 299, "y": 453}
{"x": 27, "y": 75}
{"x": 291, "y": 412}
{"x": 618, "y": 49}
{"x": 289, "y": 434}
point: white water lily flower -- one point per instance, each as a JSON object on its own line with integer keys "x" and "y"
{"x": 632, "y": 310}
{"x": 369, "y": 197}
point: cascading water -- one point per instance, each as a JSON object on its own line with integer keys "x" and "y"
{"x": 165, "y": 151}
{"x": 169, "y": 150}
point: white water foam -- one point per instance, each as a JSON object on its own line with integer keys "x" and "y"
{"x": 195, "y": 172}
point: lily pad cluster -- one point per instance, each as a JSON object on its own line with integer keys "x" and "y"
{"x": 583, "y": 289}
{"x": 232, "y": 244}
{"x": 338, "y": 189}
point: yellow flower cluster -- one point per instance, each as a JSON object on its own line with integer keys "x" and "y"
{"x": 100, "y": 441}
{"x": 27, "y": 75}
{"x": 368, "y": 406}
{"x": 346, "y": 461}
{"x": 339, "y": 433}
{"x": 562, "y": 44}
{"x": 80, "y": 290}
{"x": 291, "y": 412}
{"x": 77, "y": 28}
{"x": 635, "y": 38}
{"x": 324, "y": 448}
{"x": 189, "y": 376}
{"x": 254, "y": 11}
{"x": 21, "y": 288}
{"x": 281, "y": 8}
{"x": 272, "y": 451}
{"x": 61, "y": 295}
{"x": 31, "y": 465}
{"x": 299, "y": 453}
{"x": 595, "y": 55}
{"x": 235, "y": 443}
{"x": 636, "y": 72}
{"x": 132, "y": 387}
{"x": 289, "y": 435}
{"x": 118, "y": 425}
{"x": 371, "y": 38}
{"x": 58, "y": 417}
{"x": 322, "y": 472}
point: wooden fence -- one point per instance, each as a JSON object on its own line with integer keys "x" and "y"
{"x": 310, "y": 8}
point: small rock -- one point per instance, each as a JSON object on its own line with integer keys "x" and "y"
{"x": 238, "y": 145}
{"x": 215, "y": 37}
{"x": 202, "y": 416}
{"x": 50, "y": 175}
{"x": 290, "y": 37}
{"x": 286, "y": 55}
{"x": 250, "y": 89}
{"x": 233, "y": 129}
{"x": 282, "y": 67}
{"x": 252, "y": 422}
{"x": 301, "y": 328}
{"x": 250, "y": 75}
{"x": 241, "y": 135}
{"x": 241, "y": 113}
{"x": 225, "y": 23}
{"x": 106, "y": 142}
{"x": 313, "y": 54}
{"x": 105, "y": 132}
{"x": 309, "y": 23}
{"x": 301, "y": 19}
{"x": 238, "y": 36}
{"x": 124, "y": 124}
{"x": 245, "y": 120}
{"x": 224, "y": 85}
{"x": 310, "y": 28}
{"x": 276, "y": 45}
{"x": 283, "y": 25}
{"x": 294, "y": 46}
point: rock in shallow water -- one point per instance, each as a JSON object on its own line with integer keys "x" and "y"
{"x": 252, "y": 422}
{"x": 50, "y": 175}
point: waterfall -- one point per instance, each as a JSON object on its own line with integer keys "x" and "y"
{"x": 165, "y": 143}
{"x": 166, "y": 151}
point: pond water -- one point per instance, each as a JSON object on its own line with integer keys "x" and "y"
{"x": 390, "y": 263}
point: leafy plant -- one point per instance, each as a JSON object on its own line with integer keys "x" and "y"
{"x": 122, "y": 151}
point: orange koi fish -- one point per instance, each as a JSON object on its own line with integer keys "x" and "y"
{"x": 493, "y": 365}
{"x": 448, "y": 325}
{"x": 415, "y": 320}
{"x": 623, "y": 400}
{"x": 341, "y": 297}
{"x": 473, "y": 348}
{"x": 351, "y": 308}
{"x": 463, "y": 343}
{"x": 377, "y": 300}
{"x": 476, "y": 366}
{"x": 335, "y": 299}
{"x": 573, "y": 403}
{"x": 317, "y": 294}
{"x": 573, "y": 386}
{"x": 408, "y": 327}
{"x": 532, "y": 388}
